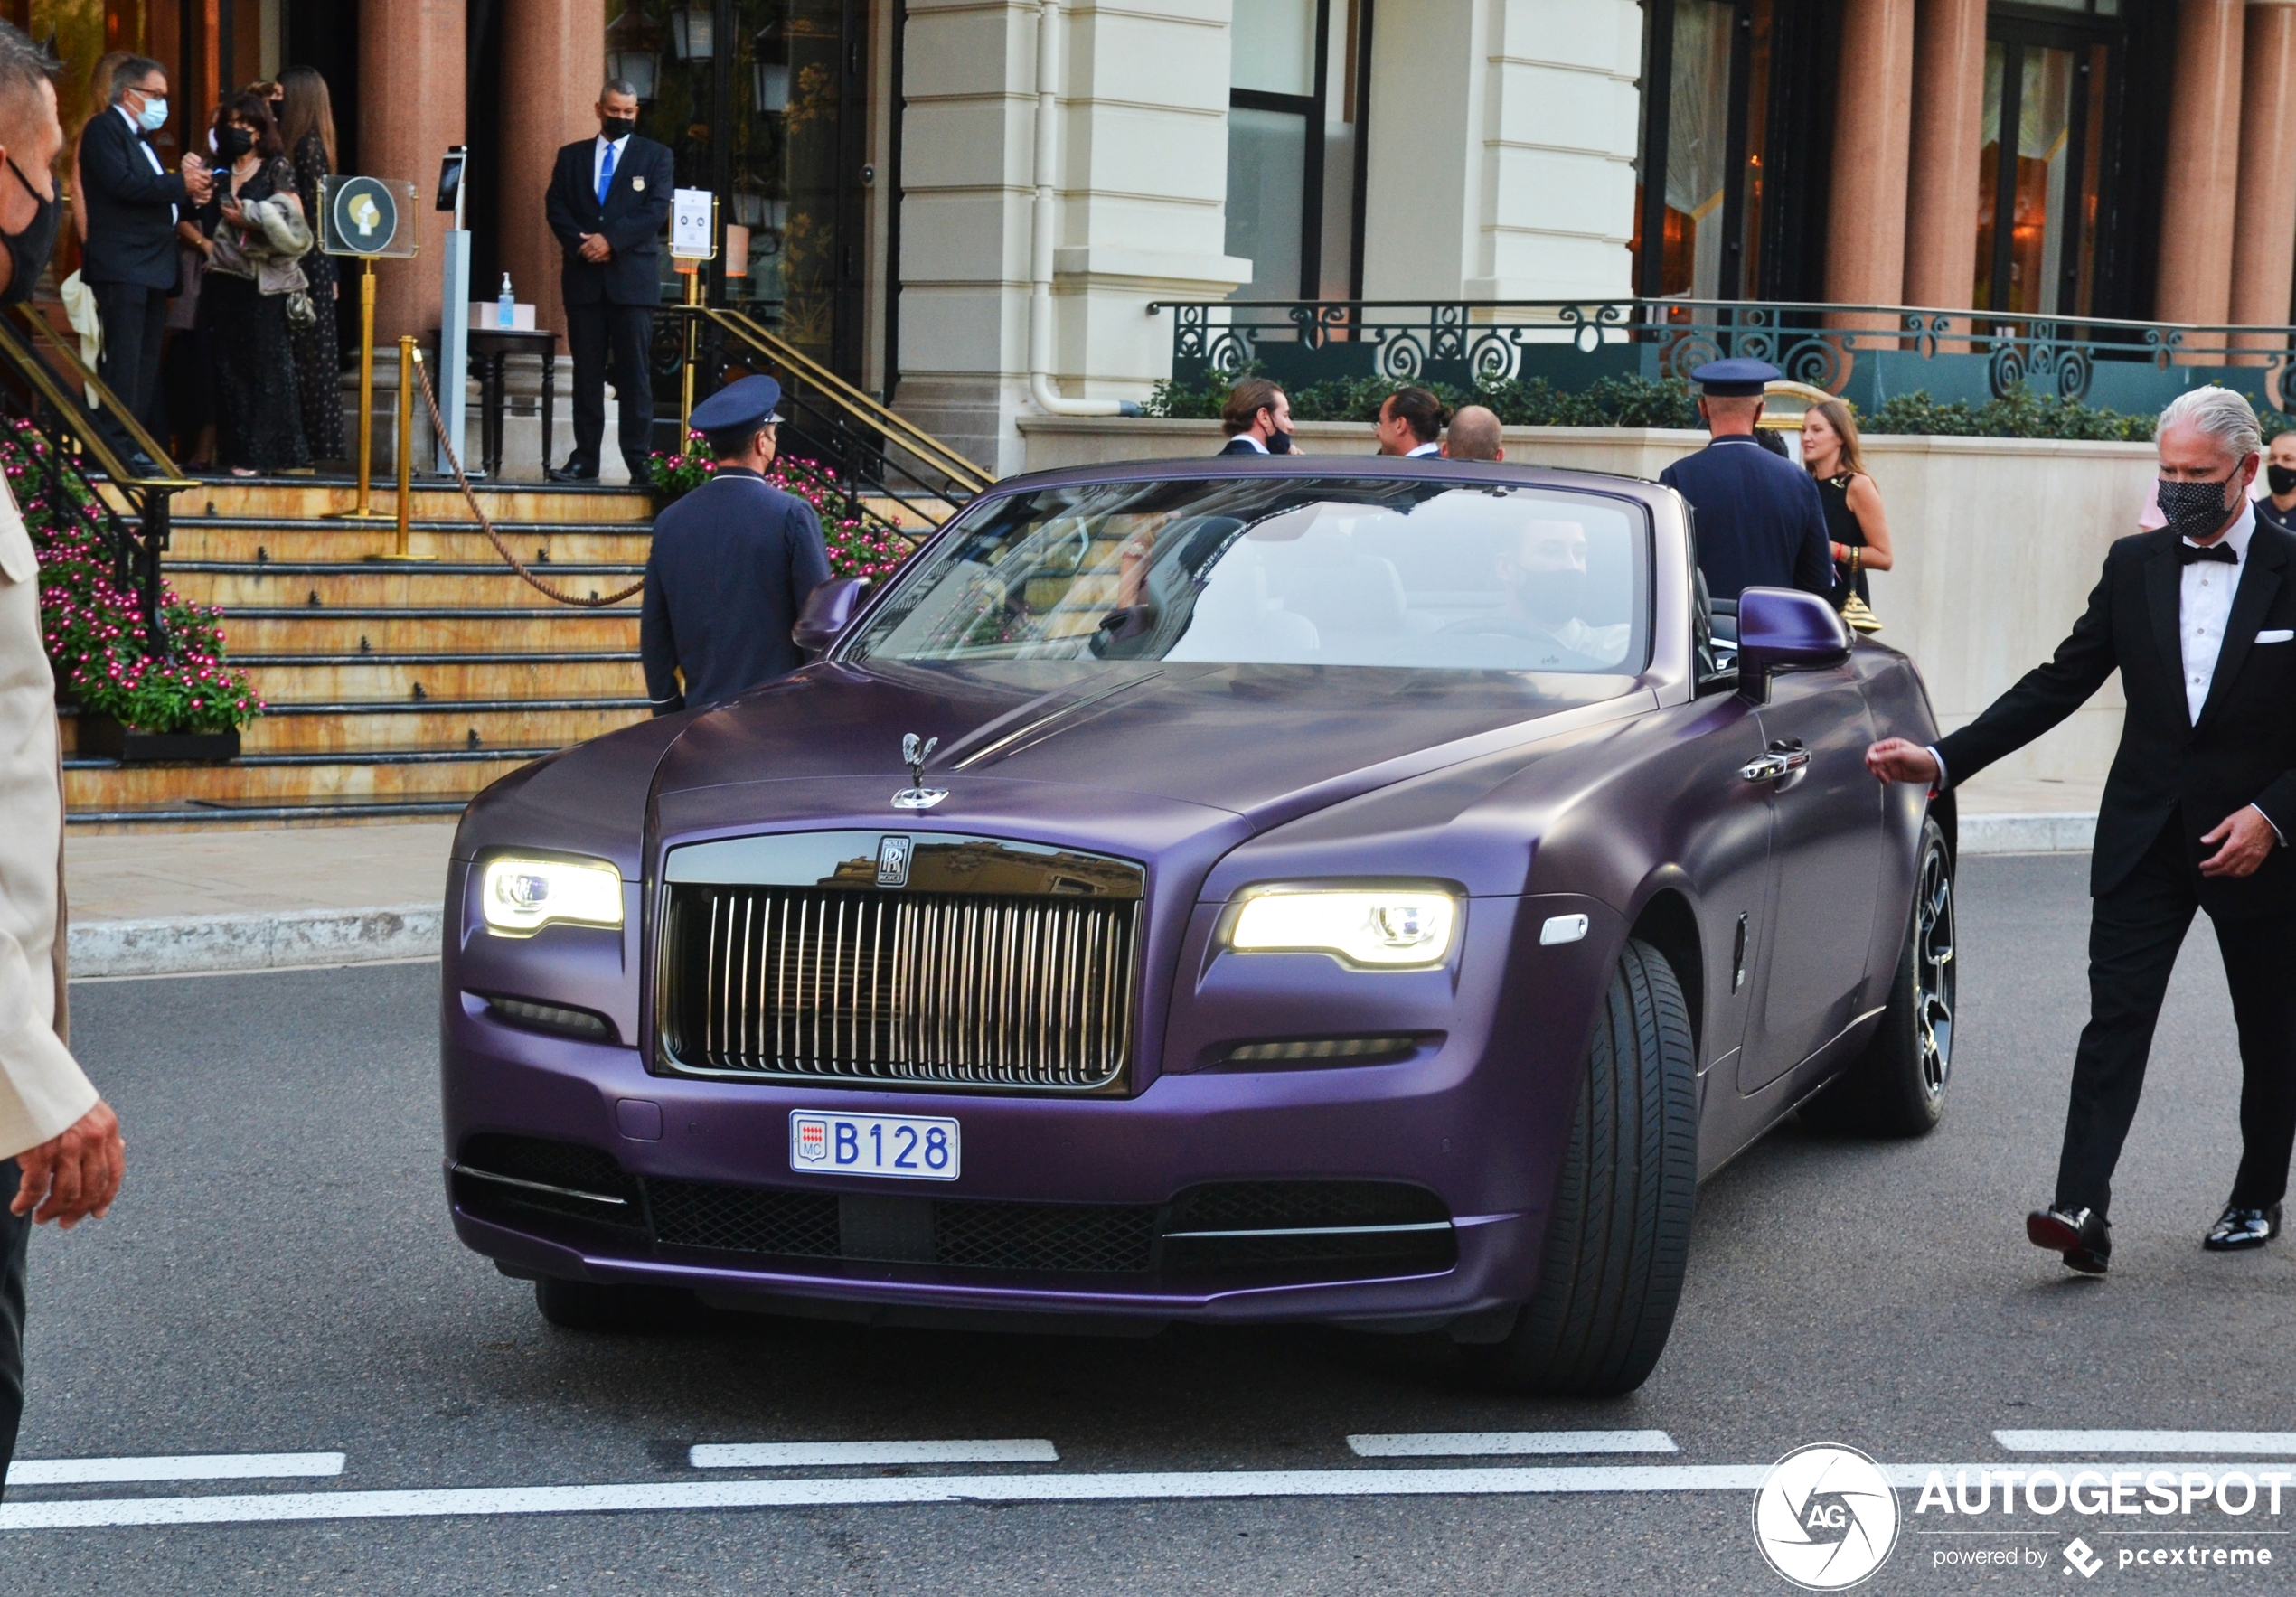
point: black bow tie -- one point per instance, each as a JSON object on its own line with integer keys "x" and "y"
{"x": 2187, "y": 554}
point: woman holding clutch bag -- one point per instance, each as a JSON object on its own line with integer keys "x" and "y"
{"x": 1855, "y": 522}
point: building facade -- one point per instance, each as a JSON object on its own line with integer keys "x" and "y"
{"x": 945, "y": 199}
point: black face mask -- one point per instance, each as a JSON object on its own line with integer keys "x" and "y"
{"x": 617, "y": 127}
{"x": 232, "y": 143}
{"x": 1279, "y": 443}
{"x": 2280, "y": 479}
{"x": 2194, "y": 510}
{"x": 28, "y": 251}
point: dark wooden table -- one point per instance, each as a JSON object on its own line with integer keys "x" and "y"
{"x": 490, "y": 347}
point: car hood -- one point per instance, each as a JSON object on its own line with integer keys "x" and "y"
{"x": 1255, "y": 744}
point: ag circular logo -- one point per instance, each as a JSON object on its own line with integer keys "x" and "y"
{"x": 365, "y": 215}
{"x": 1826, "y": 1517}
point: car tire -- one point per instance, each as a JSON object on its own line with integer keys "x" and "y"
{"x": 587, "y": 1306}
{"x": 1618, "y": 1238}
{"x": 1896, "y": 1087}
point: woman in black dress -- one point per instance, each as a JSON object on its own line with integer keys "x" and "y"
{"x": 1854, "y": 520}
{"x": 258, "y": 423}
{"x": 307, "y": 126}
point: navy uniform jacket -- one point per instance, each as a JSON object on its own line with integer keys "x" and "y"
{"x": 636, "y": 210}
{"x": 732, "y": 566}
{"x": 1760, "y": 524}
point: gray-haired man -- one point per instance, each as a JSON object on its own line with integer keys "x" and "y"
{"x": 2199, "y": 619}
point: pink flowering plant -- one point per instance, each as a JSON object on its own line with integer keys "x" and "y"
{"x": 94, "y": 630}
{"x": 871, "y": 547}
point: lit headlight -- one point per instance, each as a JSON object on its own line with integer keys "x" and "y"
{"x": 519, "y": 895}
{"x": 1389, "y": 927}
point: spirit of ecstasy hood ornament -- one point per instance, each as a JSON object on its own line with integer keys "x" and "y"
{"x": 915, "y": 752}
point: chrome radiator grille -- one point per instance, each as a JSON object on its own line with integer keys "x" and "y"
{"x": 965, "y": 990}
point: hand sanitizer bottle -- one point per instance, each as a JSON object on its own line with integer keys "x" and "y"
{"x": 505, "y": 305}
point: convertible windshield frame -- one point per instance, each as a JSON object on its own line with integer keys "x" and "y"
{"x": 1341, "y": 580}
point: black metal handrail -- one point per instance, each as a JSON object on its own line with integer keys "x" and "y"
{"x": 1868, "y": 353}
{"x": 868, "y": 451}
{"x": 43, "y": 382}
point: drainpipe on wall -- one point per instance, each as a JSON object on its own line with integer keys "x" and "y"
{"x": 1040, "y": 230}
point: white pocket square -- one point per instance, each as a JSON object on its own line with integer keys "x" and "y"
{"x": 2279, "y": 635}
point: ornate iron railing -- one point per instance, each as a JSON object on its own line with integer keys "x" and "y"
{"x": 1867, "y": 354}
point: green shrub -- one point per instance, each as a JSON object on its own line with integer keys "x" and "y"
{"x": 1611, "y": 401}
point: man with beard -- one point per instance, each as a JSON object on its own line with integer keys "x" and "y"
{"x": 2199, "y": 619}
{"x": 60, "y": 1156}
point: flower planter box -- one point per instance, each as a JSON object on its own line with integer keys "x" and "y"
{"x": 102, "y": 737}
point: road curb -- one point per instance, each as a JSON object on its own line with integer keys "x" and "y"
{"x": 2068, "y": 833}
{"x": 187, "y": 944}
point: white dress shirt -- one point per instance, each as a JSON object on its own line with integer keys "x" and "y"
{"x": 1423, "y": 449}
{"x": 2204, "y": 603}
{"x": 1257, "y": 446}
{"x": 136, "y": 132}
{"x": 597, "y": 157}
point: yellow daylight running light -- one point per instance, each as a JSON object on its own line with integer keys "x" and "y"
{"x": 1389, "y": 927}
{"x": 521, "y": 894}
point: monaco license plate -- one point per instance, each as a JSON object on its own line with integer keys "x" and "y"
{"x": 912, "y": 1146}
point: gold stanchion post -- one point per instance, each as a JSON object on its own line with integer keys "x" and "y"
{"x": 409, "y": 357}
{"x": 365, "y": 511}
{"x": 685, "y": 399}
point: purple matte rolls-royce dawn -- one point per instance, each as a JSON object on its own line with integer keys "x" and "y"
{"x": 1371, "y": 893}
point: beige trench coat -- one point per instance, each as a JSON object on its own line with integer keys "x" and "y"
{"x": 41, "y": 1089}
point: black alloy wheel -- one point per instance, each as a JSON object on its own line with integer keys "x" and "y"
{"x": 1619, "y": 1237}
{"x": 1896, "y": 1087}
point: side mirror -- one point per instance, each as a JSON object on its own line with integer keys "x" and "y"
{"x": 827, "y": 612}
{"x": 1783, "y": 629}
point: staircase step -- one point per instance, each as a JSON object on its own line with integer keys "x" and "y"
{"x": 253, "y": 633}
{"x": 285, "y": 680}
{"x": 385, "y": 729}
{"x": 278, "y": 585}
{"x": 461, "y": 541}
{"x": 316, "y": 499}
{"x": 102, "y": 785}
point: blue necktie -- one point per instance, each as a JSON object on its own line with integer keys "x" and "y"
{"x": 605, "y": 176}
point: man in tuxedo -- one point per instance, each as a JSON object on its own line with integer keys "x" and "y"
{"x": 608, "y": 200}
{"x": 1411, "y": 420}
{"x": 132, "y": 204}
{"x": 2199, "y": 619}
{"x": 1257, "y": 419}
{"x": 1760, "y": 521}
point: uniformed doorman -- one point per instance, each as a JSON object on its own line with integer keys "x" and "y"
{"x": 1760, "y": 523}
{"x": 732, "y": 566}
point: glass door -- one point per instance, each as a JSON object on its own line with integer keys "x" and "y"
{"x": 1278, "y": 64}
{"x": 2038, "y": 172}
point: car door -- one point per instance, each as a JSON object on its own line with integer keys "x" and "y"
{"x": 1825, "y": 870}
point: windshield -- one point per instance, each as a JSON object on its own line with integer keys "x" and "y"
{"x": 1287, "y": 570}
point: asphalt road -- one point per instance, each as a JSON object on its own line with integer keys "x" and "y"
{"x": 280, "y": 1277}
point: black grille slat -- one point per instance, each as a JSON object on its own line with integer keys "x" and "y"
{"x": 1256, "y": 1206}
{"x": 744, "y": 1219}
{"x": 1043, "y": 1237}
{"x": 829, "y": 984}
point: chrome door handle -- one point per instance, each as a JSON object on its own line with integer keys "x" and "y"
{"x": 1777, "y": 762}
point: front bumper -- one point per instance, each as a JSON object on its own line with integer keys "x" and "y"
{"x": 1478, "y": 1120}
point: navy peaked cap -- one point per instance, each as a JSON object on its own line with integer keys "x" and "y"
{"x": 1735, "y": 378}
{"x": 748, "y": 403}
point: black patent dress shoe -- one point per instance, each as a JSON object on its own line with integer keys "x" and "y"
{"x": 2083, "y": 1236}
{"x": 573, "y": 472}
{"x": 2237, "y": 1228}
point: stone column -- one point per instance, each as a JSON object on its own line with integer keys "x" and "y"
{"x": 1515, "y": 178}
{"x": 2202, "y": 184}
{"x": 2264, "y": 254}
{"x": 1943, "y": 174}
{"x": 553, "y": 63}
{"x": 411, "y": 108}
{"x": 1872, "y": 140}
